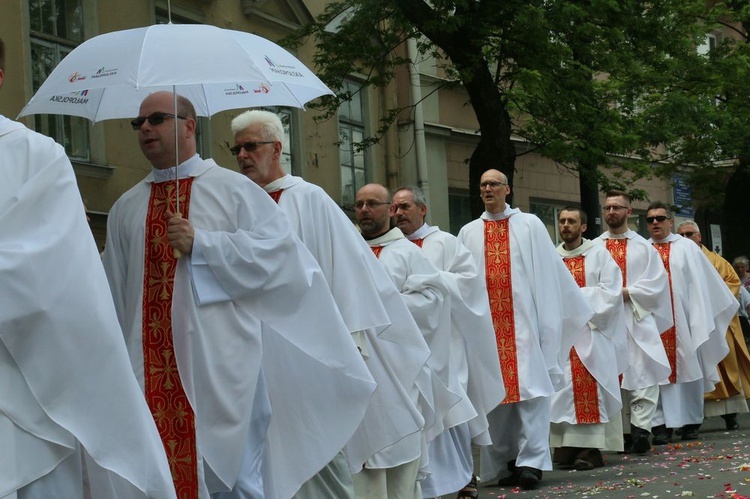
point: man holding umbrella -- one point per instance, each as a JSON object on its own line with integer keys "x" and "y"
{"x": 247, "y": 401}
{"x": 69, "y": 404}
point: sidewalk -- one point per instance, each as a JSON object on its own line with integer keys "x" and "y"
{"x": 715, "y": 466}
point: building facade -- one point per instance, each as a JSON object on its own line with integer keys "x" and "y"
{"x": 431, "y": 148}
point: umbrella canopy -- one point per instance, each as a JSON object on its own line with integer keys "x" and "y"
{"x": 109, "y": 75}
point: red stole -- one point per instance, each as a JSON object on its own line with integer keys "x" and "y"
{"x": 585, "y": 387}
{"x": 669, "y": 337}
{"x": 163, "y": 388}
{"x": 418, "y": 242}
{"x": 618, "y": 248}
{"x": 377, "y": 250}
{"x": 499, "y": 288}
{"x": 276, "y": 195}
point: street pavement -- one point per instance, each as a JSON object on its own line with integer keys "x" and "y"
{"x": 715, "y": 466}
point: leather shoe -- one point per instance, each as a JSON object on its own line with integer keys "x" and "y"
{"x": 731, "y": 421}
{"x": 529, "y": 478}
{"x": 639, "y": 439}
{"x": 690, "y": 432}
{"x": 662, "y": 435}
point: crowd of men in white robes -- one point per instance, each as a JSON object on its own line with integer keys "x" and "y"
{"x": 240, "y": 338}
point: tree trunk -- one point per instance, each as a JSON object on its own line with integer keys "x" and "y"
{"x": 589, "y": 187}
{"x": 736, "y": 226}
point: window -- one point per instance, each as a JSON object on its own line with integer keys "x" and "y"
{"x": 459, "y": 209}
{"x": 709, "y": 43}
{"x": 57, "y": 28}
{"x": 351, "y": 133}
{"x": 548, "y": 214}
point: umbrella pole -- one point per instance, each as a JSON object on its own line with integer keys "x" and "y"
{"x": 175, "y": 252}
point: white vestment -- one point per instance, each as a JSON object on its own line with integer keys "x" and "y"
{"x": 539, "y": 279}
{"x": 67, "y": 389}
{"x": 428, "y": 300}
{"x": 474, "y": 357}
{"x": 703, "y": 309}
{"x": 549, "y": 313}
{"x": 250, "y": 292}
{"x": 604, "y": 339}
{"x": 647, "y": 313}
{"x": 372, "y": 308}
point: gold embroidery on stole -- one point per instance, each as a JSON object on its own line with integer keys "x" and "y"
{"x": 499, "y": 289}
{"x": 164, "y": 393}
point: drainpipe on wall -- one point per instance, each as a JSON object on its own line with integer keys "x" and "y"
{"x": 416, "y": 101}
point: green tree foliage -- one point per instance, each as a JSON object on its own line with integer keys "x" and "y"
{"x": 570, "y": 77}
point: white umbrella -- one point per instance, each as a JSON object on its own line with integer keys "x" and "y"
{"x": 217, "y": 69}
{"x": 109, "y": 75}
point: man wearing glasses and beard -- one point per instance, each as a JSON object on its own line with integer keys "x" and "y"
{"x": 647, "y": 314}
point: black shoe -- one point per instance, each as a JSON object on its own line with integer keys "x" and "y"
{"x": 529, "y": 478}
{"x": 690, "y": 432}
{"x": 512, "y": 479}
{"x": 662, "y": 435}
{"x": 639, "y": 439}
{"x": 731, "y": 421}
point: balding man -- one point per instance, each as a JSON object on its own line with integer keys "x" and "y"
{"x": 245, "y": 294}
{"x": 537, "y": 313}
{"x": 729, "y": 396}
{"x": 428, "y": 299}
{"x": 472, "y": 347}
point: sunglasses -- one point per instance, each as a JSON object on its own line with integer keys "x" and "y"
{"x": 153, "y": 119}
{"x": 659, "y": 219}
{"x": 687, "y": 234}
{"x": 248, "y": 146}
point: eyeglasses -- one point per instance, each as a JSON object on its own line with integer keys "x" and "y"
{"x": 370, "y": 204}
{"x": 658, "y": 218}
{"x": 491, "y": 183}
{"x": 614, "y": 208}
{"x": 248, "y": 146}
{"x": 153, "y": 119}
{"x": 687, "y": 234}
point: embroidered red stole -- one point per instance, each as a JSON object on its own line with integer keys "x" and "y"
{"x": 418, "y": 242}
{"x": 585, "y": 387}
{"x": 377, "y": 250}
{"x": 163, "y": 389}
{"x": 669, "y": 337}
{"x": 499, "y": 288}
{"x": 276, "y": 195}
{"x": 618, "y": 248}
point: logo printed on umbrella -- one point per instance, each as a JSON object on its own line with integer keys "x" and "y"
{"x": 75, "y": 98}
{"x": 76, "y": 77}
{"x": 262, "y": 89}
{"x": 237, "y": 90}
{"x": 286, "y": 72}
{"x": 102, "y": 72}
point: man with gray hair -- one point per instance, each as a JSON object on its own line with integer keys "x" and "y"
{"x": 729, "y": 396}
{"x": 472, "y": 347}
{"x": 376, "y": 316}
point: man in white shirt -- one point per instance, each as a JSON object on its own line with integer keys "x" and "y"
{"x": 647, "y": 313}
{"x": 702, "y": 308}
{"x": 371, "y": 306}
{"x": 586, "y": 412}
{"x": 428, "y": 299}
{"x": 236, "y": 379}
{"x": 473, "y": 350}
{"x": 523, "y": 272}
